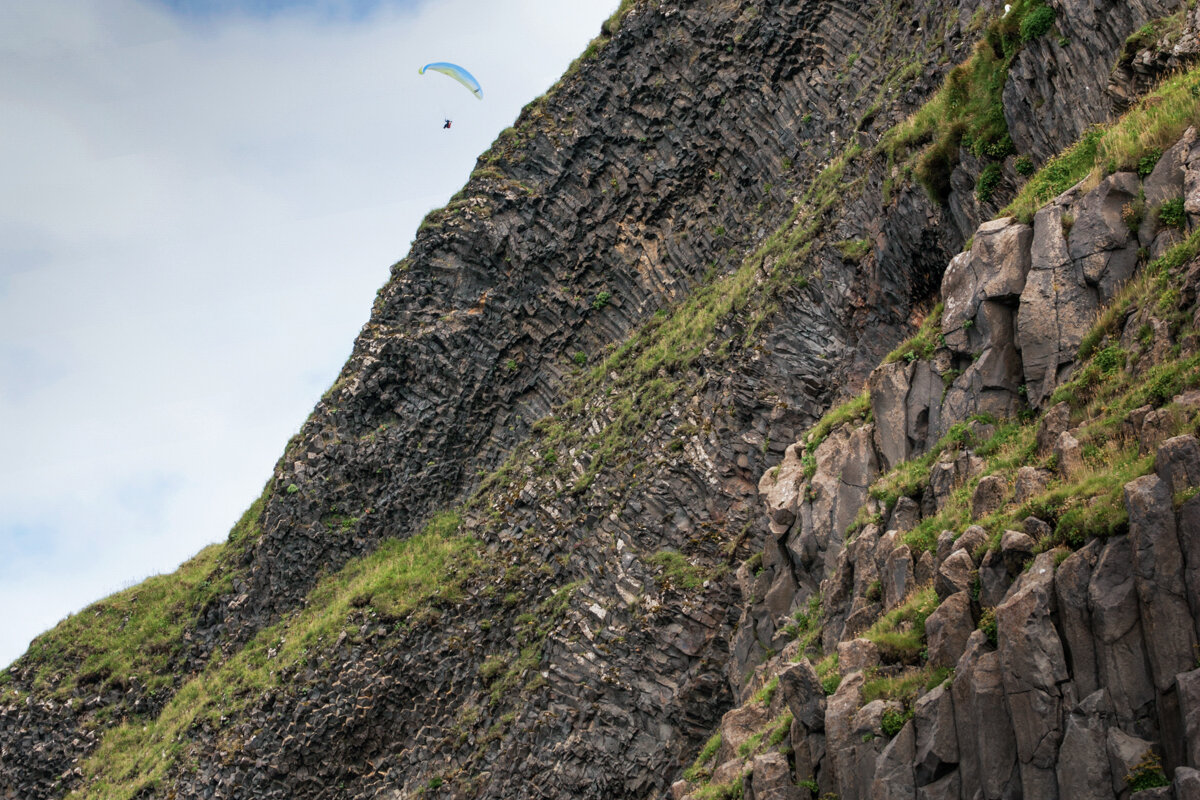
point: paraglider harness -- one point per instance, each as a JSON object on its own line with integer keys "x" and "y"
{"x": 446, "y": 126}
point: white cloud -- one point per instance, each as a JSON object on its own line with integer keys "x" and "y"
{"x": 195, "y": 220}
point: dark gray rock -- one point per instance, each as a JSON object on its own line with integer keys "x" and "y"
{"x": 1030, "y": 482}
{"x": 1125, "y": 753}
{"x": 771, "y": 779}
{"x": 1083, "y": 767}
{"x": 1075, "y": 616}
{"x": 1034, "y": 667}
{"x": 1054, "y": 422}
{"x": 1188, "y": 687}
{"x": 990, "y": 495}
{"x": 948, "y": 628}
{"x": 893, "y": 779}
{"x": 954, "y": 575}
{"x": 971, "y": 540}
{"x": 994, "y": 579}
{"x": 1069, "y": 454}
{"x": 1158, "y": 563}
{"x": 1116, "y": 624}
{"x": 1177, "y": 463}
{"x": 802, "y": 692}
{"x": 947, "y": 788}
{"x": 1016, "y": 549}
{"x": 1187, "y": 783}
{"x": 936, "y": 749}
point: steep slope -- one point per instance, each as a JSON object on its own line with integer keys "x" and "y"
{"x": 495, "y": 561}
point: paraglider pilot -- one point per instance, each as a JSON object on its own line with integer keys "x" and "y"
{"x": 446, "y": 126}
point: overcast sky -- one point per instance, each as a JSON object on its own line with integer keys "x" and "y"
{"x": 198, "y": 201}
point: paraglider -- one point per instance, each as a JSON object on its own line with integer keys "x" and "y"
{"x": 457, "y": 73}
{"x": 446, "y": 126}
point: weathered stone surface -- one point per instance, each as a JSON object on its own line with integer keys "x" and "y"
{"x": 948, "y": 628}
{"x": 1035, "y": 666}
{"x": 954, "y": 575}
{"x": 1158, "y": 563}
{"x": 1116, "y": 624}
{"x": 1187, "y": 783}
{"x": 948, "y": 473}
{"x": 1016, "y": 548}
{"x": 1125, "y": 752}
{"x": 1054, "y": 423}
{"x": 771, "y": 779}
{"x": 802, "y": 692}
{"x": 898, "y": 578}
{"x": 906, "y": 403}
{"x": 1030, "y": 482}
{"x": 1177, "y": 463}
{"x": 737, "y": 726}
{"x": 994, "y": 579}
{"x": 993, "y": 270}
{"x": 1083, "y": 767}
{"x": 1188, "y": 686}
{"x": 947, "y": 788}
{"x": 839, "y": 728}
{"x": 936, "y": 749}
{"x": 990, "y": 494}
{"x": 1069, "y": 455}
{"x": 905, "y": 515}
{"x": 1075, "y": 616}
{"x": 970, "y": 541}
{"x": 856, "y": 654}
{"x": 893, "y": 778}
{"x": 1101, "y": 242}
{"x": 1189, "y": 539}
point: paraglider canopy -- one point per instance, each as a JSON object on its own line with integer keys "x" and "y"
{"x": 458, "y": 73}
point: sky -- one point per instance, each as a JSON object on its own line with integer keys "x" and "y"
{"x": 198, "y": 202}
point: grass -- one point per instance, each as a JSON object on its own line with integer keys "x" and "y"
{"x": 900, "y": 633}
{"x": 906, "y": 686}
{"x": 138, "y": 632}
{"x": 401, "y": 578}
{"x": 855, "y": 409}
{"x": 701, "y": 768}
{"x": 923, "y": 343}
{"x": 676, "y": 572}
{"x": 1154, "y": 123}
{"x": 967, "y": 111}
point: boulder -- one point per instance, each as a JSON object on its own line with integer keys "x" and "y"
{"x": 1030, "y": 482}
{"x": 971, "y": 540}
{"x": 905, "y": 515}
{"x": 1187, "y": 784}
{"x": 1054, "y": 422}
{"x": 771, "y": 779}
{"x": 945, "y": 543}
{"x": 905, "y": 401}
{"x": 856, "y": 655}
{"x": 1158, "y": 564}
{"x": 802, "y": 692}
{"x": 949, "y": 472}
{"x": 954, "y": 575}
{"x": 839, "y": 727}
{"x": 1016, "y": 549}
{"x": 737, "y": 727}
{"x": 1125, "y": 754}
{"x": 897, "y": 579}
{"x": 994, "y": 579}
{"x": 1057, "y": 308}
{"x": 925, "y": 569}
{"x": 1036, "y": 529}
{"x": 946, "y": 788}
{"x": 1189, "y": 540}
{"x": 1075, "y": 616}
{"x": 893, "y": 778}
{"x": 948, "y": 628}
{"x": 990, "y": 495}
{"x": 1102, "y": 245}
{"x": 993, "y": 271}
{"x": 1177, "y": 463}
{"x": 1068, "y": 454}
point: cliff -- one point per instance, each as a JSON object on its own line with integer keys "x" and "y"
{"x": 520, "y": 547}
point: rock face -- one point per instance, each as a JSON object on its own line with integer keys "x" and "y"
{"x": 592, "y": 358}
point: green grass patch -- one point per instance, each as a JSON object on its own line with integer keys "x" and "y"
{"x": 701, "y": 768}
{"x": 1154, "y": 123}
{"x": 401, "y": 578}
{"x": 900, "y": 633}
{"x": 922, "y": 344}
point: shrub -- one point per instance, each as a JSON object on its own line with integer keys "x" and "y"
{"x": 1148, "y": 162}
{"x": 1037, "y": 23}
{"x": 1147, "y": 774}
{"x": 1171, "y": 214}
{"x": 894, "y": 719}
{"x": 601, "y": 300}
{"x": 989, "y": 180}
{"x": 987, "y": 624}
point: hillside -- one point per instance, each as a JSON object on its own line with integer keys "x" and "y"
{"x": 799, "y": 400}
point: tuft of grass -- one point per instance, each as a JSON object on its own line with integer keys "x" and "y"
{"x": 854, "y": 250}
{"x": 900, "y": 633}
{"x": 1133, "y": 142}
{"x": 923, "y": 343}
{"x": 854, "y": 409}
{"x": 677, "y": 572}
{"x": 701, "y": 768}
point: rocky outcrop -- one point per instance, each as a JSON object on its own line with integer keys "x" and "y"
{"x": 1073, "y": 668}
{"x": 651, "y": 286}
